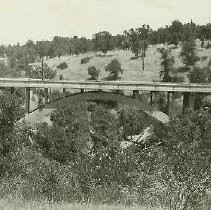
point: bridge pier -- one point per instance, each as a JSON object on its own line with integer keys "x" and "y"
{"x": 27, "y": 100}
{"x": 12, "y": 90}
{"x": 82, "y": 90}
{"x": 188, "y": 101}
{"x": 135, "y": 93}
{"x": 169, "y": 97}
{"x": 152, "y": 95}
{"x": 46, "y": 96}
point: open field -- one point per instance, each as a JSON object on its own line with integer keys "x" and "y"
{"x": 133, "y": 68}
{"x": 5, "y": 205}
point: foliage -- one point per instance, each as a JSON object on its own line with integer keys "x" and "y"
{"x": 115, "y": 69}
{"x": 188, "y": 53}
{"x": 61, "y": 77}
{"x": 130, "y": 120}
{"x": 85, "y": 60}
{"x": 186, "y": 160}
{"x": 39, "y": 73}
{"x": 176, "y": 32}
{"x": 198, "y": 75}
{"x": 62, "y": 65}
{"x": 93, "y": 72}
{"x": 79, "y": 159}
{"x": 103, "y": 41}
{"x": 7, "y": 71}
{"x": 10, "y": 112}
{"x": 167, "y": 64}
{"x": 137, "y": 39}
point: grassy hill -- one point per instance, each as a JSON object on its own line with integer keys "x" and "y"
{"x": 133, "y": 67}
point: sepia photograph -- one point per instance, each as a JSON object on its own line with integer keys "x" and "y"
{"x": 105, "y": 105}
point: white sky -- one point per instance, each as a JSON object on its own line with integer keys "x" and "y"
{"x": 21, "y": 20}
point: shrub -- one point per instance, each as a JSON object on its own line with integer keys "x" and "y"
{"x": 61, "y": 77}
{"x": 62, "y": 65}
{"x": 198, "y": 75}
{"x": 208, "y": 45}
{"x": 115, "y": 69}
{"x": 182, "y": 69}
{"x": 39, "y": 73}
{"x": 93, "y": 72}
{"x": 85, "y": 60}
{"x": 204, "y": 58}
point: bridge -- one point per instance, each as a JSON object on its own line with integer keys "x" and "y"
{"x": 189, "y": 90}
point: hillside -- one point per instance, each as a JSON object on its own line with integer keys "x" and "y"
{"x": 133, "y": 67}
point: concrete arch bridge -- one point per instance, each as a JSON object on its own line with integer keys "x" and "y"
{"x": 96, "y": 96}
{"x": 188, "y": 90}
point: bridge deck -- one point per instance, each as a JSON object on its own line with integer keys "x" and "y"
{"x": 107, "y": 85}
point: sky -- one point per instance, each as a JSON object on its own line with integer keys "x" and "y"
{"x": 21, "y": 20}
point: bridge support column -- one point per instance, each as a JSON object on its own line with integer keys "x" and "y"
{"x": 169, "y": 97}
{"x": 82, "y": 90}
{"x": 135, "y": 93}
{"x": 27, "y": 100}
{"x": 152, "y": 95}
{"x": 64, "y": 91}
{"x": 12, "y": 90}
{"x": 188, "y": 101}
{"x": 46, "y": 96}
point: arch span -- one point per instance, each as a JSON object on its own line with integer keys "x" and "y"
{"x": 38, "y": 116}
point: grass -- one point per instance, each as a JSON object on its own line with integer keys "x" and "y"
{"x": 133, "y": 68}
{"x": 18, "y": 205}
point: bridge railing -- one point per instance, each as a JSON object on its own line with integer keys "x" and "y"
{"x": 107, "y": 85}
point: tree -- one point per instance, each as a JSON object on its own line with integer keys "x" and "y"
{"x": 43, "y": 48}
{"x": 188, "y": 53}
{"x": 139, "y": 39}
{"x": 167, "y": 65}
{"x": 62, "y": 65}
{"x": 186, "y": 158}
{"x": 176, "y": 32}
{"x": 10, "y": 106}
{"x": 93, "y": 72}
{"x": 115, "y": 69}
{"x": 41, "y": 73}
{"x": 103, "y": 41}
{"x": 198, "y": 75}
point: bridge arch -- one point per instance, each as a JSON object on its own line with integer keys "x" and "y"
{"x": 153, "y": 114}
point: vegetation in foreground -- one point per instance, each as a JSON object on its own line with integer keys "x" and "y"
{"x": 19, "y": 205}
{"x": 78, "y": 159}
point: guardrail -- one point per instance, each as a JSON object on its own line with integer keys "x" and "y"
{"x": 107, "y": 85}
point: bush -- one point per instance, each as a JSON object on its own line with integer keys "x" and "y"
{"x": 78, "y": 158}
{"x": 38, "y": 73}
{"x": 93, "y": 72}
{"x": 62, "y": 65}
{"x": 115, "y": 69}
{"x": 61, "y": 77}
{"x": 85, "y": 60}
{"x": 208, "y": 45}
{"x": 204, "y": 58}
{"x": 198, "y": 75}
{"x": 182, "y": 69}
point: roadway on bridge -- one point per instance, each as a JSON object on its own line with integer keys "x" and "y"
{"x": 107, "y": 85}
